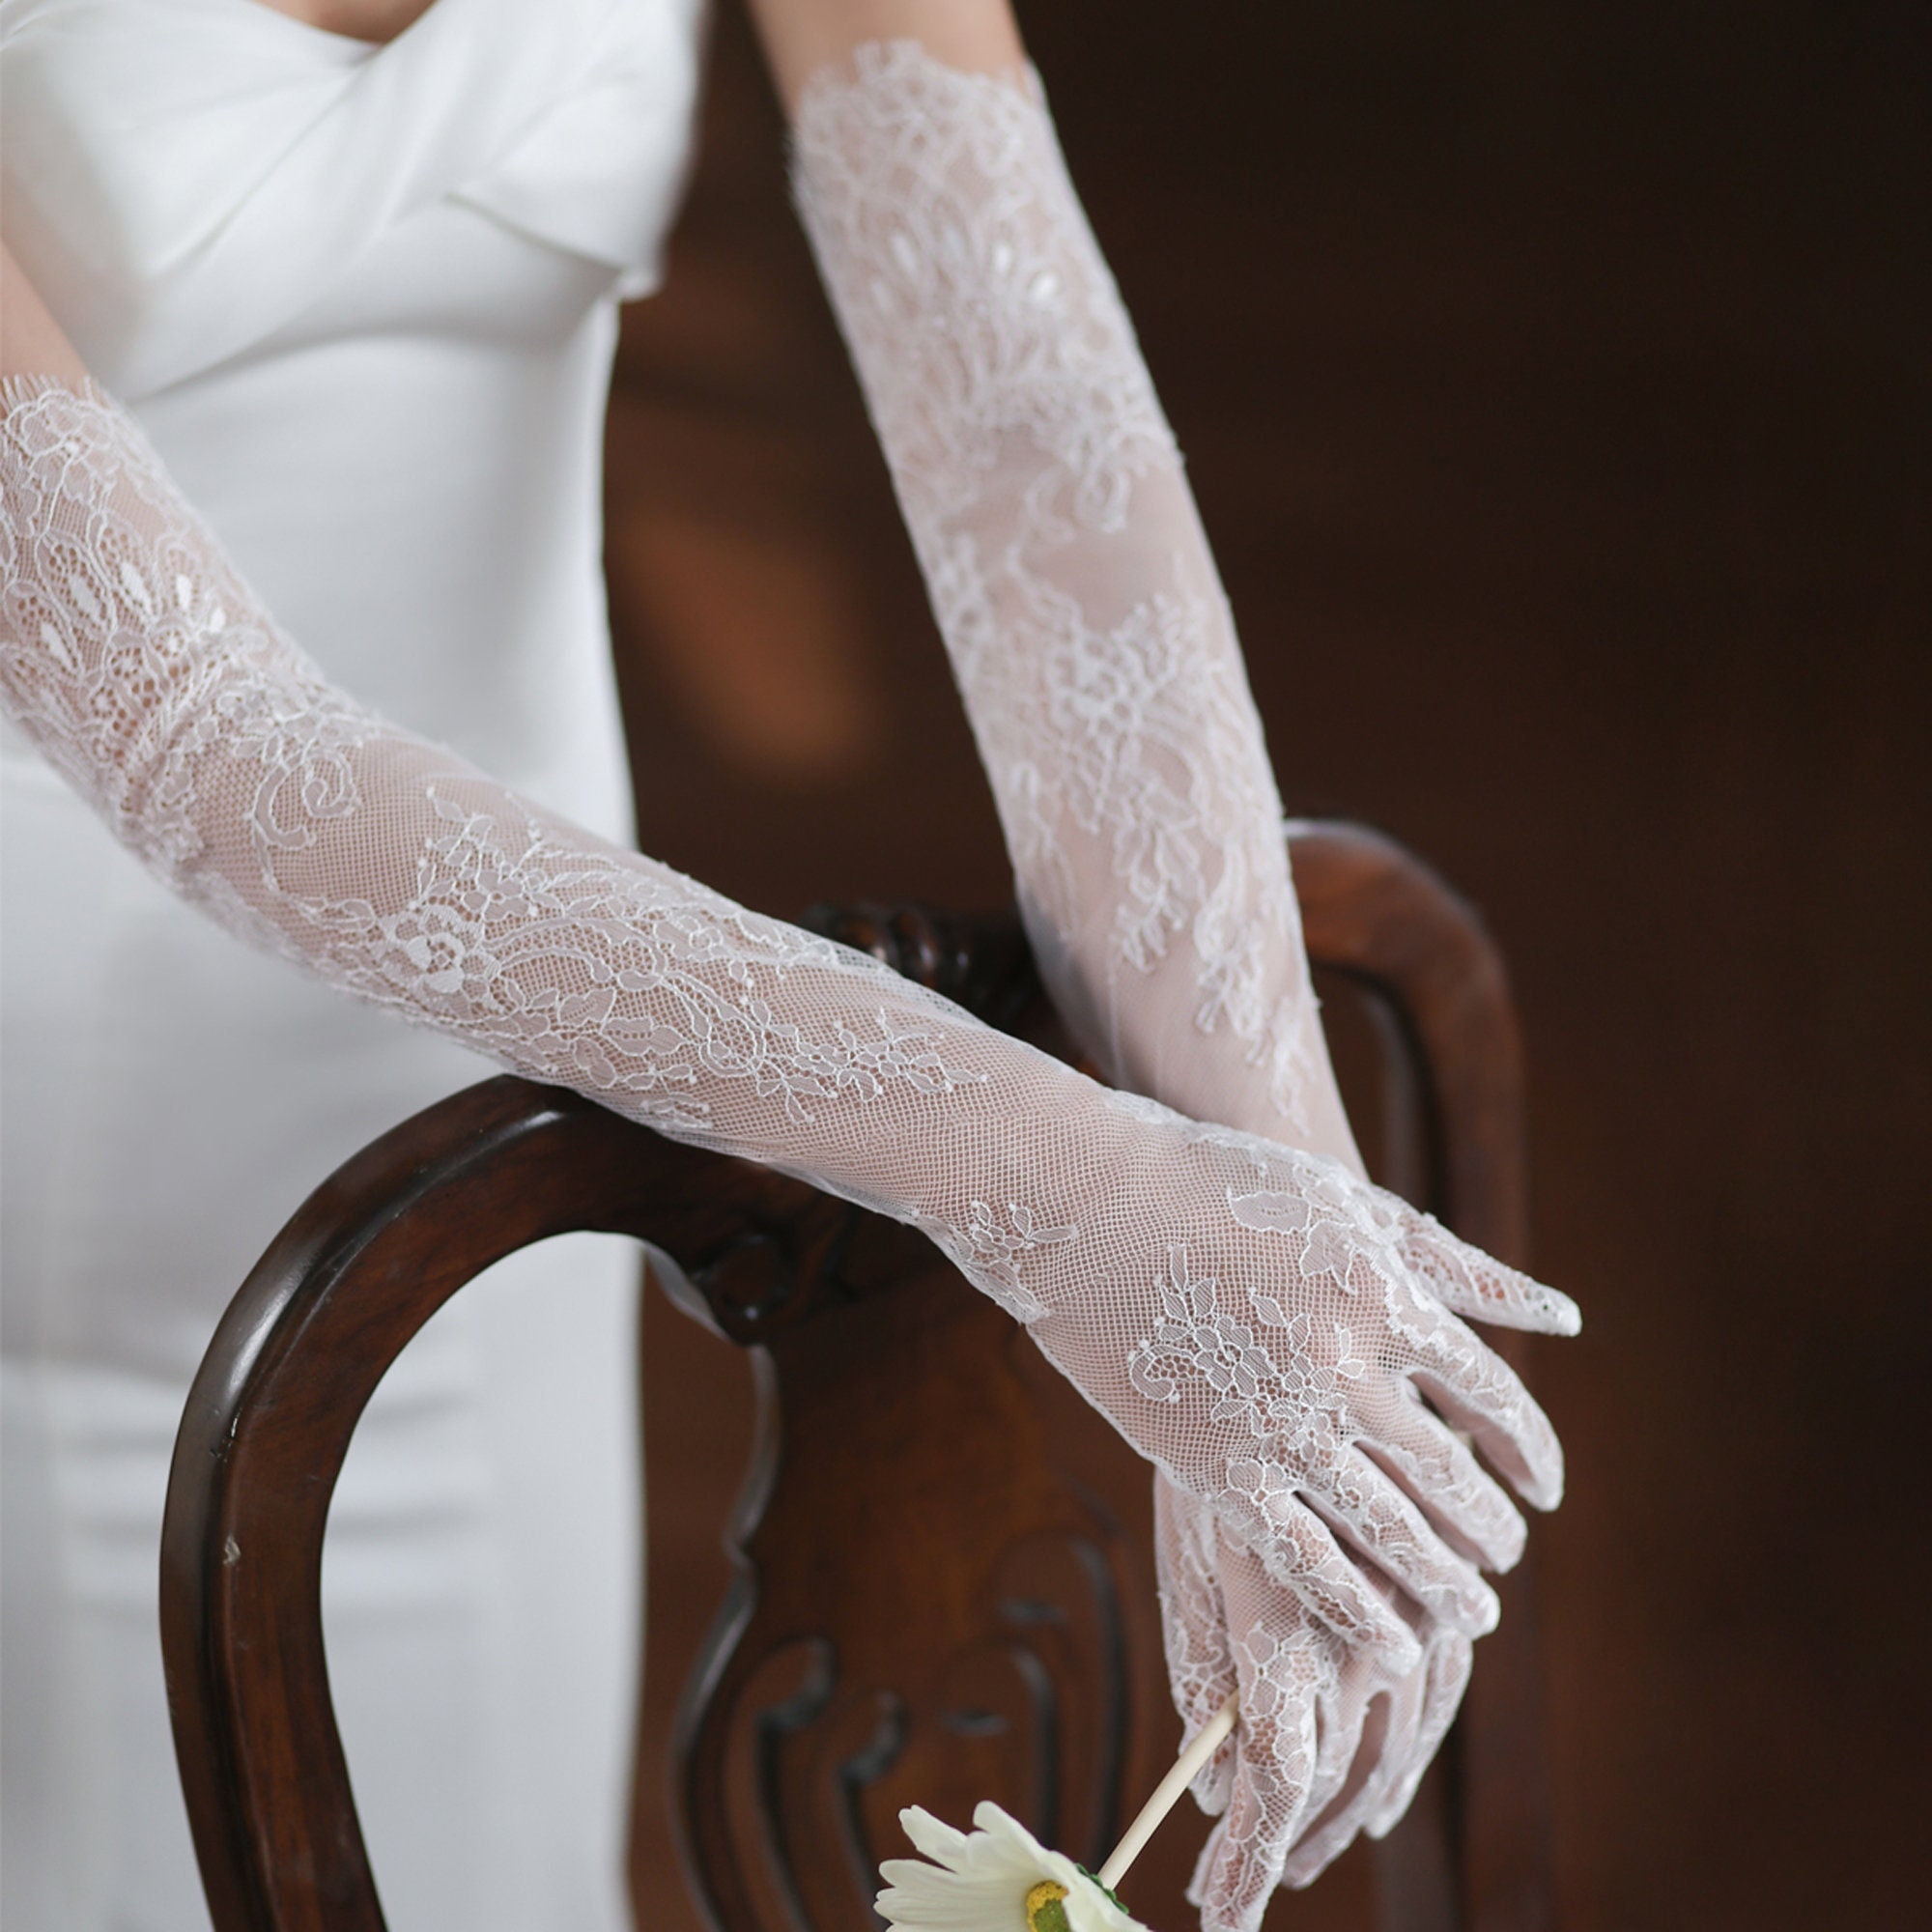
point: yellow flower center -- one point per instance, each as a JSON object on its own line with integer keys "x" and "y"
{"x": 1045, "y": 1912}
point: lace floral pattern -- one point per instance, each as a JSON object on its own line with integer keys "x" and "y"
{"x": 989, "y": 1249}
{"x": 1067, "y": 568}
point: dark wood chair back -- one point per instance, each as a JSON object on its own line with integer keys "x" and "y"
{"x": 935, "y": 1598}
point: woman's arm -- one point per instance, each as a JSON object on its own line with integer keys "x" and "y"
{"x": 1099, "y": 665}
{"x": 1067, "y": 565}
{"x": 805, "y": 37}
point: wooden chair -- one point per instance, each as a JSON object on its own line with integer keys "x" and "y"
{"x": 936, "y": 1599}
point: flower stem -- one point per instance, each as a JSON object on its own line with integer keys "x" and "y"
{"x": 1167, "y": 1795}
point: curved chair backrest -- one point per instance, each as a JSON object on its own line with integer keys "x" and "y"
{"x": 967, "y": 1620}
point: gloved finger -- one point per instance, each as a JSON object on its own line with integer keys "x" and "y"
{"x": 1388, "y": 1710}
{"x": 1445, "y": 1678}
{"x": 1480, "y": 1287}
{"x": 1387, "y": 1753}
{"x": 1194, "y": 1628}
{"x": 1284, "y": 1664}
{"x": 1477, "y": 1390}
{"x": 1302, "y": 1555}
{"x": 1350, "y": 1728}
{"x": 1334, "y": 1824}
{"x": 1380, "y": 1520}
{"x": 1431, "y": 1462}
{"x": 1420, "y": 1709}
{"x": 1239, "y": 1868}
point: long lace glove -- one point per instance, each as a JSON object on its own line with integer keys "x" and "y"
{"x": 1254, "y": 1320}
{"x": 1071, "y": 579}
{"x": 1075, "y": 591}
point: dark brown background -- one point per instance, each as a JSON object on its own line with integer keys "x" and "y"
{"x": 1554, "y": 384}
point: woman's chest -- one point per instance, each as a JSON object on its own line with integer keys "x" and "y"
{"x": 189, "y": 179}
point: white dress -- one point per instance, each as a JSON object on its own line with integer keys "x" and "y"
{"x": 363, "y": 301}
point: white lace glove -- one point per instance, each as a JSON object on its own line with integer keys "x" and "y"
{"x": 1071, "y": 579}
{"x": 1254, "y": 1320}
{"x": 1076, "y": 590}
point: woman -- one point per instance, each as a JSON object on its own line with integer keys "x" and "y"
{"x": 350, "y": 270}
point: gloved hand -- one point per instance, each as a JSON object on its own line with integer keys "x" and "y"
{"x": 1287, "y": 1811}
{"x": 1330, "y": 1741}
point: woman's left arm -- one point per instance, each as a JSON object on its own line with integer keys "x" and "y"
{"x": 1099, "y": 665}
{"x": 1067, "y": 565}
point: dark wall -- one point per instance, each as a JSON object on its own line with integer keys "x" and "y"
{"x": 1554, "y": 380}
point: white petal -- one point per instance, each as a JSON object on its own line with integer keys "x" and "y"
{"x": 942, "y": 1901}
{"x": 996, "y": 1824}
{"x": 933, "y": 1837}
{"x": 978, "y": 1881}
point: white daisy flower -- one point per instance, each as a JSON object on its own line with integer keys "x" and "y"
{"x": 998, "y": 1878}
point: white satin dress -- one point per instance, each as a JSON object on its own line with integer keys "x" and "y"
{"x": 363, "y": 301}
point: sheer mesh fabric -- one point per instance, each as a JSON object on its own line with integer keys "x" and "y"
{"x": 1068, "y": 574}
